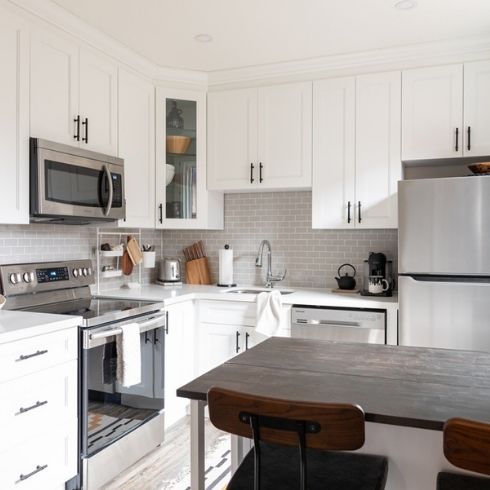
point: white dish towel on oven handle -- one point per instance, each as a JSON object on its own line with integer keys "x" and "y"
{"x": 269, "y": 307}
{"x": 129, "y": 355}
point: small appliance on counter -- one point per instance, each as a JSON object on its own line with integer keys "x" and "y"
{"x": 378, "y": 276}
{"x": 226, "y": 267}
{"x": 169, "y": 272}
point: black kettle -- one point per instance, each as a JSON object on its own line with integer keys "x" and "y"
{"x": 345, "y": 281}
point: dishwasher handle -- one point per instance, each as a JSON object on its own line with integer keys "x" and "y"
{"x": 338, "y": 323}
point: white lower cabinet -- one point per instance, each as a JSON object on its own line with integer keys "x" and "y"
{"x": 179, "y": 359}
{"x": 39, "y": 411}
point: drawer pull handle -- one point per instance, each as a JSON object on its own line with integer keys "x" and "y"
{"x": 28, "y": 356}
{"x": 32, "y": 407}
{"x": 39, "y": 468}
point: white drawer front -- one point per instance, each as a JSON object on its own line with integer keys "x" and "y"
{"x": 226, "y": 312}
{"x": 33, "y": 403}
{"x": 45, "y": 462}
{"x": 36, "y": 353}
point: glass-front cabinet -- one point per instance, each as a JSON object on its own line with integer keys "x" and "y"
{"x": 181, "y": 197}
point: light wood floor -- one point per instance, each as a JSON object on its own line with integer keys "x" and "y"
{"x": 158, "y": 469}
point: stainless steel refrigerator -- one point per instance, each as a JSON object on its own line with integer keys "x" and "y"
{"x": 444, "y": 262}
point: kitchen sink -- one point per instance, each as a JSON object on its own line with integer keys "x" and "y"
{"x": 258, "y": 290}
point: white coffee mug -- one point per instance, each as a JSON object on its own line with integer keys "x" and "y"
{"x": 378, "y": 287}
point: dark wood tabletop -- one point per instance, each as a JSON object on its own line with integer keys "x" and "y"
{"x": 407, "y": 386}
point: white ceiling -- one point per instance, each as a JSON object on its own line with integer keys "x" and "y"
{"x": 255, "y": 32}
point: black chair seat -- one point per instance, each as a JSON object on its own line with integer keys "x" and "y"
{"x": 325, "y": 470}
{"x": 458, "y": 481}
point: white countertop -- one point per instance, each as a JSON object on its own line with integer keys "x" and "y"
{"x": 16, "y": 325}
{"x": 300, "y": 296}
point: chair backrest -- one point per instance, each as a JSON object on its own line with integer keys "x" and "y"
{"x": 467, "y": 444}
{"x": 329, "y": 426}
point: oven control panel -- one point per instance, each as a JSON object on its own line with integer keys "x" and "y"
{"x": 47, "y": 276}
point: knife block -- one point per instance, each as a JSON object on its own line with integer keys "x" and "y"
{"x": 197, "y": 271}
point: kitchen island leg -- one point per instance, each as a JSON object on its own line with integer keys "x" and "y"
{"x": 197, "y": 445}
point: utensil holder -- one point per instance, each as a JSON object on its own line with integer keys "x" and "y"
{"x": 197, "y": 271}
{"x": 149, "y": 260}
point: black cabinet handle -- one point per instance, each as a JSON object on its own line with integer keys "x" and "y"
{"x": 469, "y": 138}
{"x": 39, "y": 468}
{"x": 252, "y": 173}
{"x": 237, "y": 347}
{"x": 85, "y": 123}
{"x": 32, "y": 407}
{"x": 160, "y": 207}
{"x": 456, "y": 148}
{"x": 359, "y": 211}
{"x": 260, "y": 173}
{"x": 247, "y": 335}
{"x": 348, "y": 212}
{"x": 166, "y": 322}
{"x": 77, "y": 128}
{"x": 23, "y": 357}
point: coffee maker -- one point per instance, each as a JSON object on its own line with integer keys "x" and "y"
{"x": 378, "y": 276}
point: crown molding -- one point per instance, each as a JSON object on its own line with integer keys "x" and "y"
{"x": 60, "y": 18}
{"x": 423, "y": 54}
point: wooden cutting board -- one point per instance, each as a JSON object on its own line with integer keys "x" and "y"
{"x": 134, "y": 250}
{"x": 126, "y": 264}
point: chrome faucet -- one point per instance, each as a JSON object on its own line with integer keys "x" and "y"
{"x": 270, "y": 278}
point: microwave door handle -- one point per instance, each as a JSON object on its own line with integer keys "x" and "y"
{"x": 111, "y": 190}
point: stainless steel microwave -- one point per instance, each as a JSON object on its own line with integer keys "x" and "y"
{"x": 71, "y": 185}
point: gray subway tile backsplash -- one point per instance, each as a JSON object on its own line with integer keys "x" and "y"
{"x": 284, "y": 218}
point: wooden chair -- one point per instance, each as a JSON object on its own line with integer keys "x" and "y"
{"x": 279, "y": 427}
{"x": 467, "y": 446}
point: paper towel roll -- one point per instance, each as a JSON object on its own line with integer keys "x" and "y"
{"x": 225, "y": 267}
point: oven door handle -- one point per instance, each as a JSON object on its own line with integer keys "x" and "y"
{"x": 107, "y": 173}
{"x": 144, "y": 327}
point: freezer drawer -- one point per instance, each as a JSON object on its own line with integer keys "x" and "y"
{"x": 339, "y": 325}
{"x": 444, "y": 226}
{"x": 446, "y": 314}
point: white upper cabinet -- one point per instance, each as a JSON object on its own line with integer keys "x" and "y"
{"x": 284, "y": 136}
{"x": 54, "y": 88}
{"x": 73, "y": 94}
{"x": 477, "y": 108}
{"x": 182, "y": 200}
{"x": 432, "y": 113}
{"x": 378, "y": 149}
{"x": 260, "y": 139}
{"x": 356, "y": 151}
{"x": 137, "y": 147}
{"x": 232, "y": 138}
{"x": 98, "y": 102}
{"x": 14, "y": 121}
{"x": 334, "y": 153}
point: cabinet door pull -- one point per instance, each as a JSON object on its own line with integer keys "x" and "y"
{"x": 456, "y": 147}
{"x": 32, "y": 407}
{"x": 469, "y": 138}
{"x": 23, "y": 357}
{"x": 166, "y": 322}
{"x": 39, "y": 468}
{"x": 247, "y": 335}
{"x": 77, "y": 128}
{"x": 260, "y": 173}
{"x": 348, "y": 212}
{"x": 160, "y": 207}
{"x": 237, "y": 346}
{"x": 252, "y": 180}
{"x": 359, "y": 211}
{"x": 85, "y": 123}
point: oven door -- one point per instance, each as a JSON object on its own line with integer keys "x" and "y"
{"x": 75, "y": 185}
{"x": 109, "y": 410}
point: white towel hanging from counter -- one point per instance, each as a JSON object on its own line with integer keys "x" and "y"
{"x": 129, "y": 355}
{"x": 269, "y": 307}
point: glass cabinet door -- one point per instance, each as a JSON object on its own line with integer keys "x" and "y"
{"x": 180, "y": 159}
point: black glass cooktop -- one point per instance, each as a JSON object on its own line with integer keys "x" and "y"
{"x": 96, "y": 310}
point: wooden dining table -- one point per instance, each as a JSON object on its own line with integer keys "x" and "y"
{"x": 407, "y": 394}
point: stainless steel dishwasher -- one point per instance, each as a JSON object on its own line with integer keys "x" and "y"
{"x": 339, "y": 324}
